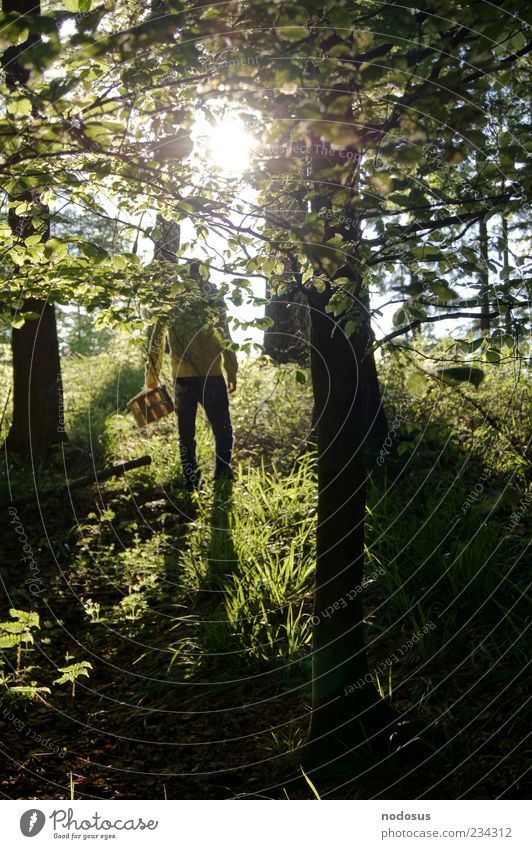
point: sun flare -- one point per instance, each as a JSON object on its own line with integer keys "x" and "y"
{"x": 228, "y": 145}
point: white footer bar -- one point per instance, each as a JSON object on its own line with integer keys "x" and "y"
{"x": 265, "y": 824}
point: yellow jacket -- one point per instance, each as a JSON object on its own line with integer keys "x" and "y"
{"x": 197, "y": 348}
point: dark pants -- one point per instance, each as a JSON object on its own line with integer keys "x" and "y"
{"x": 211, "y": 393}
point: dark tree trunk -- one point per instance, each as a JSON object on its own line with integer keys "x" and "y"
{"x": 37, "y": 387}
{"x": 347, "y": 710}
{"x": 287, "y": 340}
{"x": 38, "y": 420}
{"x": 485, "y": 323}
{"x": 508, "y": 323}
{"x": 168, "y": 243}
{"x": 416, "y": 331}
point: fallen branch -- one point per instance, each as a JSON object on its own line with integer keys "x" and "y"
{"x": 96, "y": 476}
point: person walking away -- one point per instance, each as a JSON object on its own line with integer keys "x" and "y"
{"x": 198, "y": 337}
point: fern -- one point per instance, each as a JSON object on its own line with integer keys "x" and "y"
{"x": 72, "y": 672}
{"x": 15, "y": 634}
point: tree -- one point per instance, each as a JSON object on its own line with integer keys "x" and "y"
{"x": 37, "y": 384}
{"x": 393, "y": 92}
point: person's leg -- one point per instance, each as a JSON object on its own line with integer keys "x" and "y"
{"x": 186, "y": 406}
{"x": 216, "y": 404}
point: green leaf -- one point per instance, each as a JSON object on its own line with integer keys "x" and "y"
{"x": 34, "y": 239}
{"x": 399, "y": 317}
{"x": 427, "y": 254}
{"x": 119, "y": 262}
{"x": 19, "y": 107}
{"x": 300, "y": 377}
{"x": 291, "y": 33}
{"x": 442, "y": 291}
{"x": 173, "y": 148}
{"x": 263, "y": 323}
{"x": 340, "y": 105}
{"x": 471, "y": 347}
{"x": 77, "y": 5}
{"x": 401, "y": 199}
{"x": 55, "y": 249}
{"x": 28, "y": 618}
{"x": 405, "y": 448}
{"x": 310, "y": 784}
{"x": 341, "y": 17}
{"x": 382, "y": 182}
{"x": 417, "y": 312}
{"x": 94, "y": 252}
{"x": 70, "y": 673}
{"x": 211, "y": 14}
{"x": 453, "y": 155}
{"x": 457, "y": 374}
{"x": 12, "y": 627}
{"x": 416, "y": 384}
{"x": 29, "y": 690}
{"x": 13, "y": 30}
{"x": 8, "y": 641}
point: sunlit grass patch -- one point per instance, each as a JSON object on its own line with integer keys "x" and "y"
{"x": 250, "y": 557}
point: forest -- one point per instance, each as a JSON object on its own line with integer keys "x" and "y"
{"x": 305, "y": 227}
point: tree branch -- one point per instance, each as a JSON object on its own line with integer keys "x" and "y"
{"x": 435, "y": 224}
{"x": 430, "y": 319}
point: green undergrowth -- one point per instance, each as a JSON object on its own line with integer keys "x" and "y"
{"x": 207, "y": 590}
{"x": 250, "y": 556}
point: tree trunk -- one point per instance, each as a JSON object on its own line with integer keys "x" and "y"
{"x": 485, "y": 323}
{"x": 416, "y": 331}
{"x": 508, "y": 322}
{"x": 287, "y": 340}
{"x": 38, "y": 419}
{"x": 347, "y": 710}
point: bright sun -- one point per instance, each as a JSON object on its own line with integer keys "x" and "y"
{"x": 228, "y": 145}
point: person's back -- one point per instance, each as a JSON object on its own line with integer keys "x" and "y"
{"x": 198, "y": 336}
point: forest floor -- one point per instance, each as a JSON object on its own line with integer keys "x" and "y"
{"x": 193, "y": 612}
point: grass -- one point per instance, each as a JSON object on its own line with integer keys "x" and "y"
{"x": 251, "y": 556}
{"x": 204, "y": 602}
